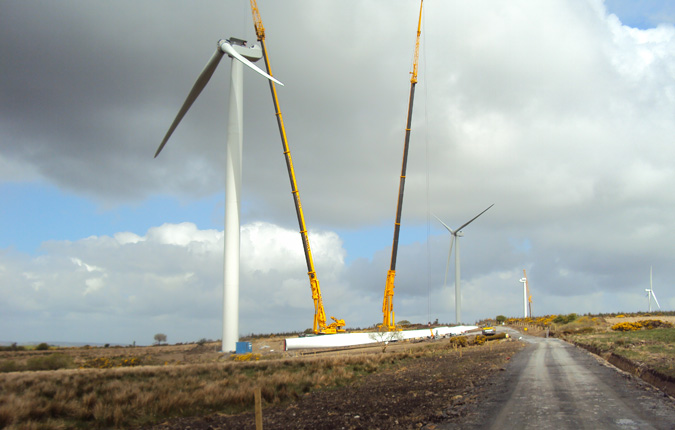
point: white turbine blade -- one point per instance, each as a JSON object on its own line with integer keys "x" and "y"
{"x": 472, "y": 219}
{"x": 229, "y": 50}
{"x": 197, "y": 88}
{"x": 656, "y": 301}
{"x": 444, "y": 225}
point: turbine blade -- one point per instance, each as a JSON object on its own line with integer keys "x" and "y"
{"x": 444, "y": 225}
{"x": 472, "y": 219}
{"x": 197, "y": 88}
{"x": 229, "y": 50}
{"x": 656, "y": 301}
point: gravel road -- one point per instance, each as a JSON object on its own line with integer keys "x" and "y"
{"x": 554, "y": 385}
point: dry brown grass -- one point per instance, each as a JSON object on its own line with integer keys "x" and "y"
{"x": 614, "y": 320}
{"x": 197, "y": 381}
{"x": 123, "y": 397}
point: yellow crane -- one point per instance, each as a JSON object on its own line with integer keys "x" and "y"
{"x": 529, "y": 295}
{"x": 389, "y": 320}
{"x": 319, "y": 326}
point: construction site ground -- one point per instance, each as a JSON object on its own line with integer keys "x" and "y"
{"x": 416, "y": 394}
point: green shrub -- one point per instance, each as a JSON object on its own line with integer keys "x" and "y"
{"x": 459, "y": 341}
{"x": 565, "y": 319}
{"x": 12, "y": 347}
{"x": 42, "y": 347}
{"x": 50, "y": 362}
{"x": 8, "y": 366}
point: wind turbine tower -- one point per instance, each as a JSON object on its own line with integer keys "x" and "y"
{"x": 237, "y": 50}
{"x": 524, "y": 281}
{"x": 455, "y": 235}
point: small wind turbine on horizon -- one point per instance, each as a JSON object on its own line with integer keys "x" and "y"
{"x": 237, "y": 50}
{"x": 650, "y": 292}
{"x": 524, "y": 281}
{"x": 455, "y": 235}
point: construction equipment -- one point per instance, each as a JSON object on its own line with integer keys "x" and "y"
{"x": 529, "y": 295}
{"x": 319, "y": 326}
{"x": 388, "y": 320}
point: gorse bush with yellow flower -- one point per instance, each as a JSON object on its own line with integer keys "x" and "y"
{"x": 639, "y": 325}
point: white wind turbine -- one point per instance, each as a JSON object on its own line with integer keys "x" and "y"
{"x": 456, "y": 234}
{"x": 650, "y": 292}
{"x": 237, "y": 50}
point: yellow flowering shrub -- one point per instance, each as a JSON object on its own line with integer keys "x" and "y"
{"x": 638, "y": 325}
{"x": 250, "y": 356}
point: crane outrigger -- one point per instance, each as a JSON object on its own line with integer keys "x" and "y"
{"x": 388, "y": 320}
{"x": 319, "y": 326}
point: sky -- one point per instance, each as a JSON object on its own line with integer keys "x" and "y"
{"x": 561, "y": 114}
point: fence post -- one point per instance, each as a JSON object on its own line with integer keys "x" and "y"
{"x": 258, "y": 409}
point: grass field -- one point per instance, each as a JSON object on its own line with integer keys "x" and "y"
{"x": 117, "y": 391}
{"x": 97, "y": 388}
{"x": 121, "y": 397}
{"x": 652, "y": 348}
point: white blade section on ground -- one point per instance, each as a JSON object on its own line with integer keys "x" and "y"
{"x": 352, "y": 339}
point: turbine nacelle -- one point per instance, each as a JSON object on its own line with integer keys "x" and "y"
{"x": 237, "y": 49}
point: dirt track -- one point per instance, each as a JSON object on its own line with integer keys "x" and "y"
{"x": 554, "y": 385}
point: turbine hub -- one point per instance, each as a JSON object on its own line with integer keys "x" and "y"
{"x": 252, "y": 53}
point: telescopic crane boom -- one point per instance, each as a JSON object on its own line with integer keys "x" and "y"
{"x": 319, "y": 326}
{"x": 388, "y": 320}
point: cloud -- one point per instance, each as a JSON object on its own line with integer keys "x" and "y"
{"x": 175, "y": 270}
{"x": 556, "y": 112}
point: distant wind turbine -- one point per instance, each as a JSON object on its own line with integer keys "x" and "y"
{"x": 524, "y": 281}
{"x": 650, "y": 292}
{"x": 456, "y": 234}
{"x": 235, "y": 49}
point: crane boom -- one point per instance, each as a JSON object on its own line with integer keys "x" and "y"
{"x": 319, "y": 326}
{"x": 388, "y": 318}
